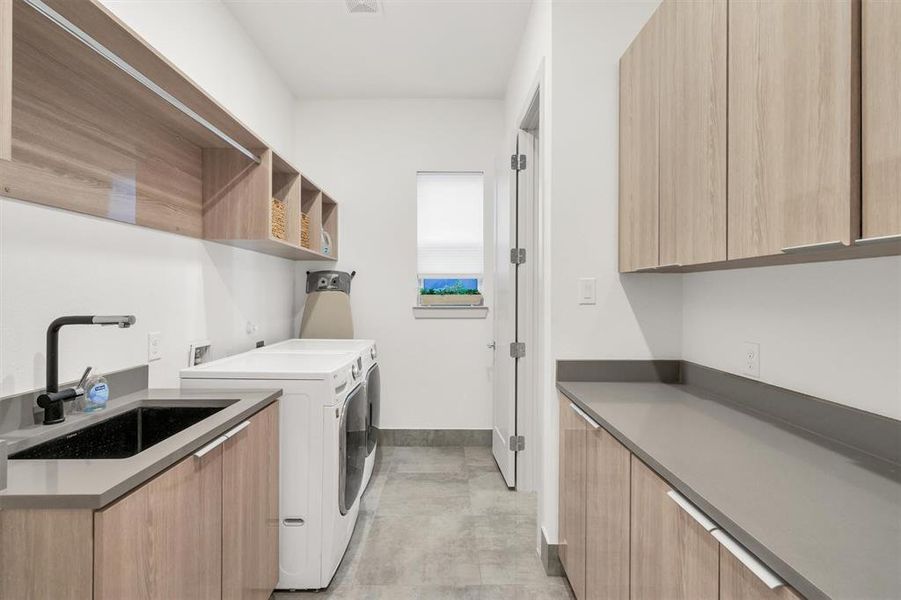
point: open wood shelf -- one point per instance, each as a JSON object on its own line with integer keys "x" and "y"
{"x": 82, "y": 132}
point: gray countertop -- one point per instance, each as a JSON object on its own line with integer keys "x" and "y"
{"x": 93, "y": 484}
{"x": 825, "y": 517}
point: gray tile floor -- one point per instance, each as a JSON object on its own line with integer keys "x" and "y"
{"x": 439, "y": 523}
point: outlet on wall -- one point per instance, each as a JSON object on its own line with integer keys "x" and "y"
{"x": 750, "y": 363}
{"x": 154, "y": 346}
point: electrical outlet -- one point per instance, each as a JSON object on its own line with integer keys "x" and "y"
{"x": 750, "y": 362}
{"x": 588, "y": 290}
{"x": 154, "y": 346}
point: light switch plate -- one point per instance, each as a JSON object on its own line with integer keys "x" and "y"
{"x": 750, "y": 362}
{"x": 588, "y": 290}
{"x": 154, "y": 346}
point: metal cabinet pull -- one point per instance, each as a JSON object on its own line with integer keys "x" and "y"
{"x": 692, "y": 510}
{"x": 769, "y": 579}
{"x": 210, "y": 447}
{"x": 293, "y": 522}
{"x": 833, "y": 245}
{"x": 882, "y": 239}
{"x": 582, "y": 414}
{"x": 234, "y": 432}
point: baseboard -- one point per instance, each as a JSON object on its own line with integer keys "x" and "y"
{"x": 435, "y": 437}
{"x": 550, "y": 557}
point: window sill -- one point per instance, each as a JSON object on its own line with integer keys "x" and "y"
{"x": 450, "y": 312}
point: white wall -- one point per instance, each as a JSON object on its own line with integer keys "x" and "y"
{"x": 435, "y": 373}
{"x": 635, "y": 316}
{"x": 832, "y": 330}
{"x": 54, "y": 263}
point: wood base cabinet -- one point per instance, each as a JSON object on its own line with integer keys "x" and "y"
{"x": 164, "y": 540}
{"x": 573, "y": 439}
{"x": 250, "y": 509}
{"x": 737, "y": 582}
{"x": 672, "y": 556}
{"x": 607, "y": 518}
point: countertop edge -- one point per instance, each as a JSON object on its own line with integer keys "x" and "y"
{"x": 790, "y": 575}
{"x": 142, "y": 476}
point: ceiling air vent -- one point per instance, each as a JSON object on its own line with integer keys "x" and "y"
{"x": 362, "y": 7}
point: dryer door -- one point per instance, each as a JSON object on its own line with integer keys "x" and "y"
{"x": 373, "y": 397}
{"x": 352, "y": 451}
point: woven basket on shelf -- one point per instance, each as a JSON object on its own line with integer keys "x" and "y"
{"x": 305, "y": 230}
{"x": 279, "y": 219}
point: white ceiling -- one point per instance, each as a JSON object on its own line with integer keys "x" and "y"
{"x": 412, "y": 49}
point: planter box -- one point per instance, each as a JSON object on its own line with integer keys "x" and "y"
{"x": 451, "y": 300}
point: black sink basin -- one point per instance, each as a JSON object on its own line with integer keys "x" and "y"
{"x": 121, "y": 436}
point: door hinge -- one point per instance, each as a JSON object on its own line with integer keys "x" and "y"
{"x": 517, "y": 349}
{"x": 518, "y": 162}
{"x": 517, "y": 443}
{"x": 518, "y": 256}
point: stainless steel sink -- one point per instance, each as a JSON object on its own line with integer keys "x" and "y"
{"x": 121, "y": 436}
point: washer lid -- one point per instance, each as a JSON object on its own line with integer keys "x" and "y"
{"x": 272, "y": 365}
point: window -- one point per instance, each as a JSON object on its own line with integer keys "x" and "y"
{"x": 450, "y": 235}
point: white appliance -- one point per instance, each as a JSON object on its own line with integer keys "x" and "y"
{"x": 368, "y": 353}
{"x": 322, "y": 432}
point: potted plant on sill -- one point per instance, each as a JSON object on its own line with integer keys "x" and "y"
{"x": 451, "y": 295}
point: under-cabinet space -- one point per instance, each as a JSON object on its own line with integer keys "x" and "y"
{"x": 881, "y": 47}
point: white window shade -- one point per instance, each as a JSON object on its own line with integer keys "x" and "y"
{"x": 450, "y": 239}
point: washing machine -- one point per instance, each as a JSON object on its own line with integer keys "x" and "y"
{"x": 368, "y": 355}
{"x": 322, "y": 451}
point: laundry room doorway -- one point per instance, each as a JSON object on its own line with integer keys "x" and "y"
{"x": 517, "y": 254}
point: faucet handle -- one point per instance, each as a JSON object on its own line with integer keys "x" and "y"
{"x": 79, "y": 387}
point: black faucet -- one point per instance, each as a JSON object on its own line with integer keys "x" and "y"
{"x": 52, "y": 399}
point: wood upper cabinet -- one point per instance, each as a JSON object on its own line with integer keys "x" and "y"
{"x": 793, "y": 127}
{"x": 672, "y": 556}
{"x": 573, "y": 439}
{"x": 639, "y": 150}
{"x": 607, "y": 518}
{"x": 250, "y": 509}
{"x": 6, "y": 78}
{"x": 692, "y": 132}
{"x": 737, "y": 582}
{"x": 881, "y": 42}
{"x": 163, "y": 541}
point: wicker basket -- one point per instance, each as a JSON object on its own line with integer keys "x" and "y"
{"x": 305, "y": 230}
{"x": 279, "y": 219}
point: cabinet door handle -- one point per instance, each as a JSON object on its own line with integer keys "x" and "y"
{"x": 582, "y": 414}
{"x": 692, "y": 510}
{"x": 833, "y": 245}
{"x": 210, "y": 447}
{"x": 770, "y": 579}
{"x": 233, "y": 432}
{"x": 293, "y": 522}
{"x": 882, "y": 239}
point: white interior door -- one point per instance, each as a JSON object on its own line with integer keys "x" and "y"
{"x": 506, "y": 290}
